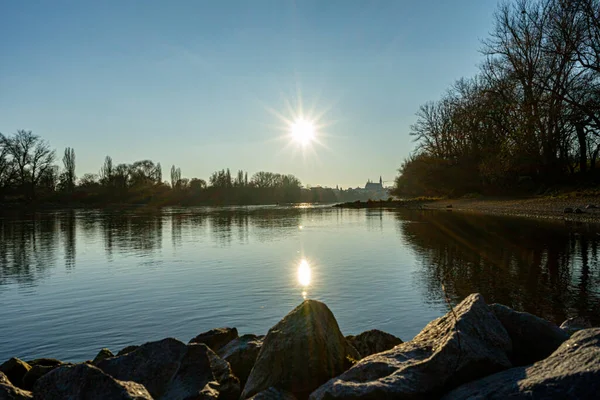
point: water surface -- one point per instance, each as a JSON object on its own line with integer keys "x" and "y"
{"x": 72, "y": 282}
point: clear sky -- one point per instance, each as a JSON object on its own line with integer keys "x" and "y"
{"x": 200, "y": 83}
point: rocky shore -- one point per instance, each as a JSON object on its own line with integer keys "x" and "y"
{"x": 476, "y": 351}
{"x": 577, "y": 209}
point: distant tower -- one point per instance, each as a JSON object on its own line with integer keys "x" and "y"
{"x": 380, "y": 181}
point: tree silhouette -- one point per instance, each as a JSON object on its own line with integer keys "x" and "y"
{"x": 69, "y": 172}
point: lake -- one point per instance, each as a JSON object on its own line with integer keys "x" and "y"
{"x": 74, "y": 281}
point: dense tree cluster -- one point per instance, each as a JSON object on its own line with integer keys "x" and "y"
{"x": 28, "y": 173}
{"x": 530, "y": 117}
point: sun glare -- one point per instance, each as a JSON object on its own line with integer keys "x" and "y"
{"x": 303, "y": 131}
{"x": 304, "y": 273}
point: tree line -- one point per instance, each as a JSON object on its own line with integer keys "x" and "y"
{"x": 28, "y": 173}
{"x": 529, "y": 119}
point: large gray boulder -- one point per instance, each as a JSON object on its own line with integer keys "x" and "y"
{"x": 299, "y": 353}
{"x": 216, "y": 338}
{"x": 373, "y": 341}
{"x": 83, "y": 382}
{"x": 571, "y": 372}
{"x": 9, "y": 392}
{"x": 170, "y": 369}
{"x": 15, "y": 369}
{"x": 466, "y": 344}
{"x": 241, "y": 354}
{"x": 533, "y": 338}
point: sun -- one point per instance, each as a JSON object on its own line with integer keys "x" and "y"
{"x": 303, "y": 131}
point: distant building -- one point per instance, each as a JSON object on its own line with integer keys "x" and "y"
{"x": 374, "y": 186}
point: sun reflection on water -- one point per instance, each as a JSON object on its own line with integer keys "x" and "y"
{"x": 304, "y": 276}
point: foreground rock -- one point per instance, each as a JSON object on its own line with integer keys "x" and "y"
{"x": 169, "y": 369}
{"x": 216, "y": 338}
{"x": 152, "y": 364}
{"x": 373, "y": 341}
{"x": 302, "y": 351}
{"x": 241, "y": 354}
{"x": 273, "y": 394}
{"x": 35, "y": 373}
{"x": 197, "y": 376}
{"x": 15, "y": 369}
{"x": 457, "y": 348}
{"x": 571, "y": 372}
{"x": 533, "y": 338}
{"x": 9, "y": 392}
{"x": 84, "y": 381}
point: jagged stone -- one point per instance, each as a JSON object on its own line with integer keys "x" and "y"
{"x": 302, "y": 351}
{"x": 273, "y": 394}
{"x": 201, "y": 372}
{"x": 241, "y": 354}
{"x": 465, "y": 344}
{"x": 229, "y": 384}
{"x": 170, "y": 369}
{"x": 84, "y": 381}
{"x": 571, "y": 372}
{"x": 153, "y": 364}
{"x": 373, "y": 341}
{"x": 15, "y": 369}
{"x": 10, "y": 392}
{"x": 216, "y": 338}
{"x": 102, "y": 355}
{"x": 533, "y": 338}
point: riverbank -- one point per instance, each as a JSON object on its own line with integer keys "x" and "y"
{"x": 536, "y": 207}
{"x": 496, "y": 352}
{"x": 570, "y": 207}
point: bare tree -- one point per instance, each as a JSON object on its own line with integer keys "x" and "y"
{"x": 7, "y": 166}
{"x": 32, "y": 157}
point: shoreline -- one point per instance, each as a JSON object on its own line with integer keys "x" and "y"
{"x": 543, "y": 207}
{"x": 527, "y": 207}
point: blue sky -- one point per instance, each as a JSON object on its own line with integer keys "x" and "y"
{"x": 199, "y": 84}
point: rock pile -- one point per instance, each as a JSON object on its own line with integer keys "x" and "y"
{"x": 476, "y": 351}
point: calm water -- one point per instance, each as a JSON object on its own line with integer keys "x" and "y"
{"x": 72, "y": 282}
